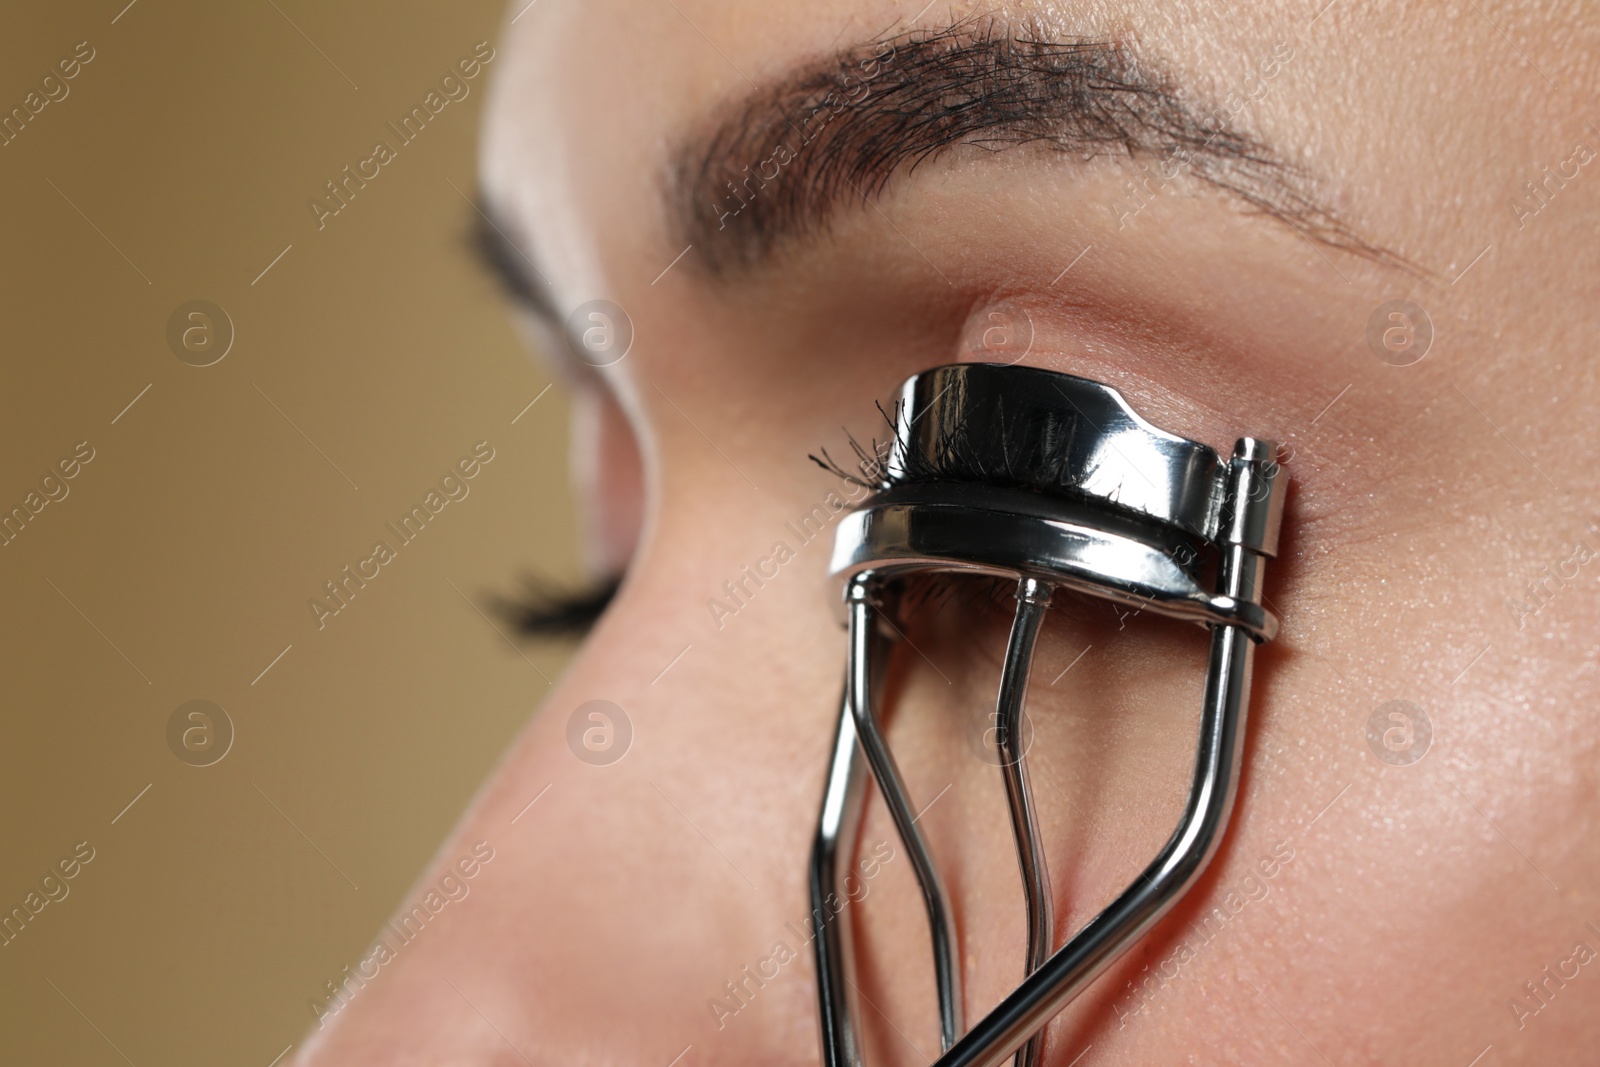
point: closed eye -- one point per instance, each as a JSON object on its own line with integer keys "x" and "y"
{"x": 540, "y": 610}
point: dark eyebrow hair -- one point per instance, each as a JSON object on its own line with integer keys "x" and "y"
{"x": 777, "y": 164}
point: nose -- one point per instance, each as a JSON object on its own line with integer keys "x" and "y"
{"x": 649, "y": 829}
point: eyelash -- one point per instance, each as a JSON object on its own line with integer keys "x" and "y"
{"x": 954, "y": 460}
{"x": 1032, "y": 465}
{"x": 542, "y": 611}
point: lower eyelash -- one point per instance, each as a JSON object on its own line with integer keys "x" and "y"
{"x": 541, "y": 610}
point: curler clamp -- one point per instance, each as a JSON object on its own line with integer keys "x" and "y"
{"x": 1053, "y": 481}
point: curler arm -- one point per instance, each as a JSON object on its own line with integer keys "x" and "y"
{"x": 941, "y": 921}
{"x": 1033, "y": 600}
{"x": 831, "y": 940}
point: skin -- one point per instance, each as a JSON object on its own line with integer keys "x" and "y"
{"x": 1417, "y": 900}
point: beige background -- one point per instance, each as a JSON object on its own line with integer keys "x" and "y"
{"x": 189, "y": 546}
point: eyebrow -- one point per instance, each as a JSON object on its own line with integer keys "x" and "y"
{"x": 777, "y": 165}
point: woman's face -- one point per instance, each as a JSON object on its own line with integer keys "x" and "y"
{"x": 1212, "y": 211}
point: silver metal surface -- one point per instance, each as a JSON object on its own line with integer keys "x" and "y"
{"x": 836, "y": 837}
{"x": 1211, "y": 794}
{"x": 1054, "y": 482}
{"x": 1064, "y": 435}
{"x": 1033, "y": 600}
{"x": 941, "y": 921}
{"x": 1010, "y": 533}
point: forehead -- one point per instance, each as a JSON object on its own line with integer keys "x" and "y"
{"x": 592, "y": 98}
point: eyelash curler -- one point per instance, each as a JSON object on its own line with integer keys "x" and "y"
{"x": 1052, "y": 481}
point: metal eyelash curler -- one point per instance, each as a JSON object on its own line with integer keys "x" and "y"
{"x": 1054, "y": 481}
